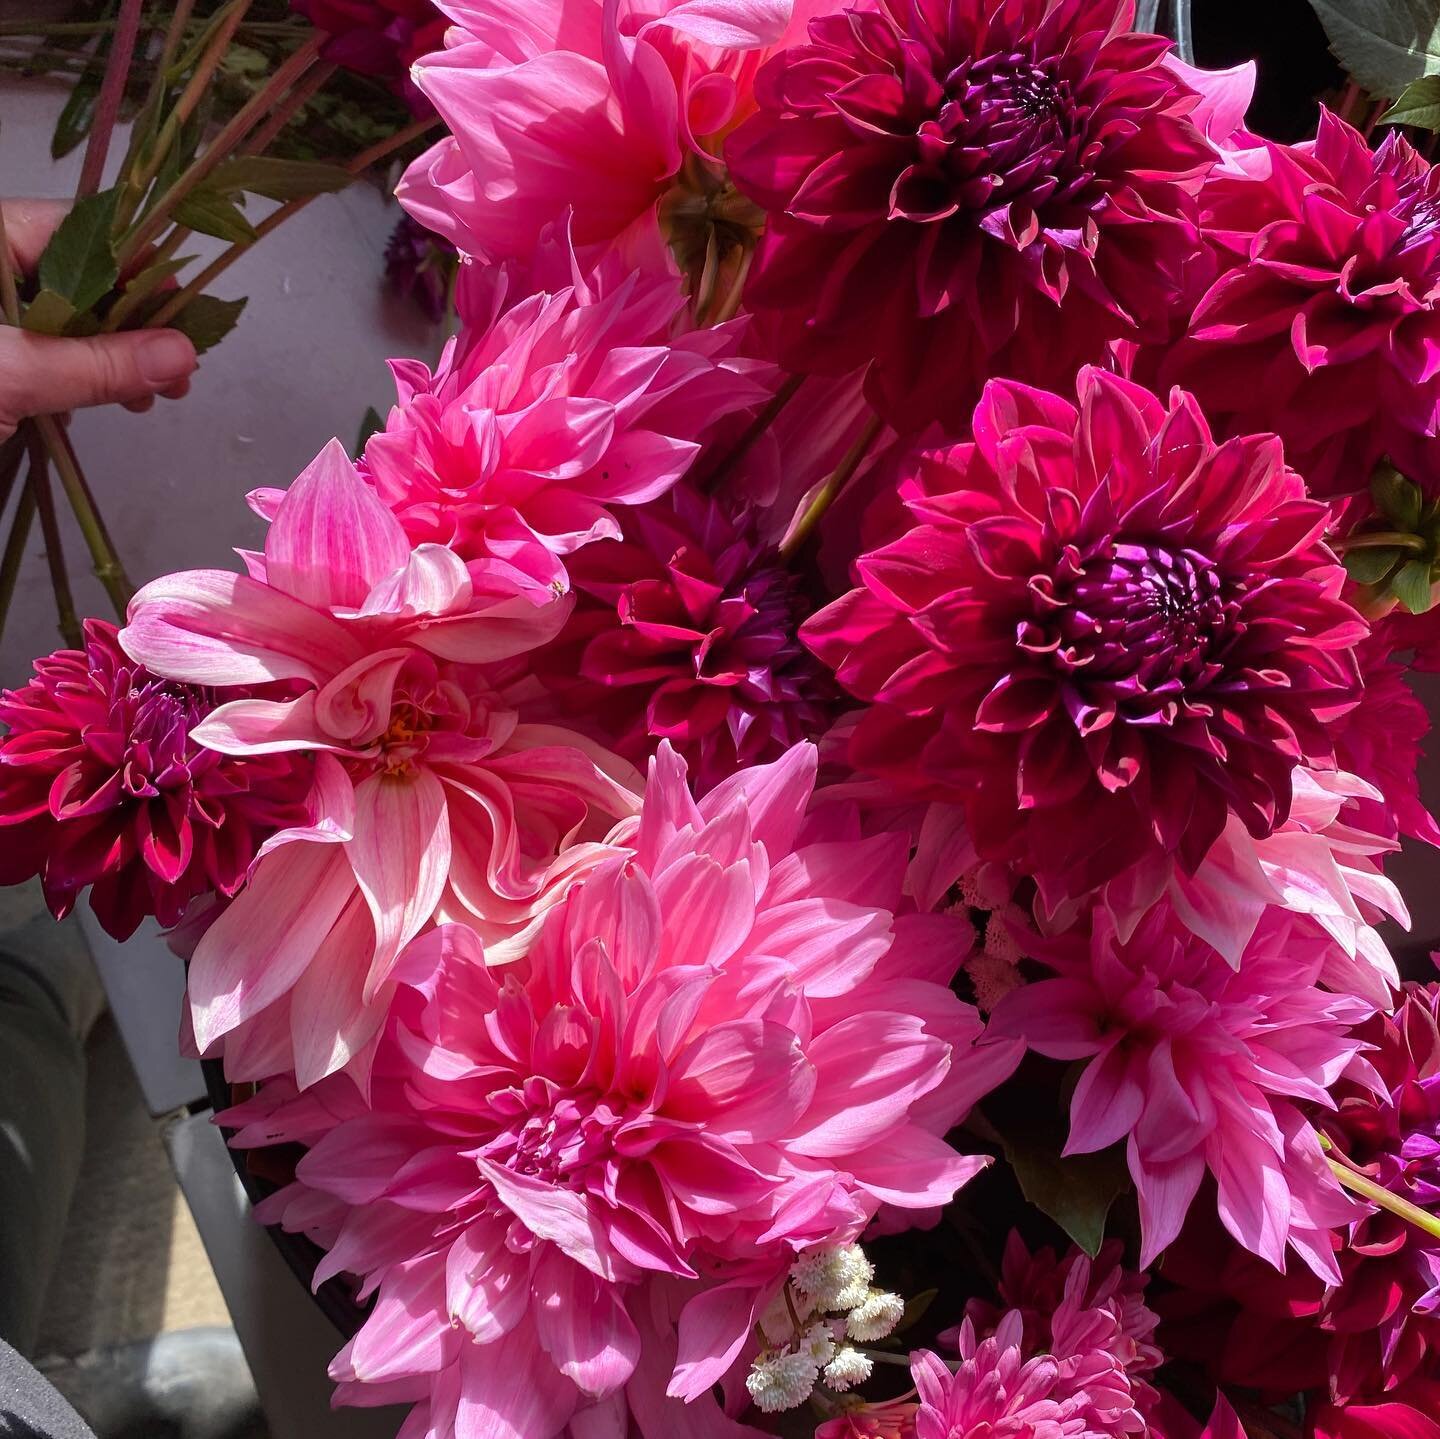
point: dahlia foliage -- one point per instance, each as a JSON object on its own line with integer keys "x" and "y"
{"x": 801, "y": 843}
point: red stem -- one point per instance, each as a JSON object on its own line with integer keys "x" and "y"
{"x": 112, "y": 92}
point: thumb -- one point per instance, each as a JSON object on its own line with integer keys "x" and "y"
{"x": 41, "y": 375}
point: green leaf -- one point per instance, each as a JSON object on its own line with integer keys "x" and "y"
{"x": 207, "y": 320}
{"x": 212, "y": 214}
{"x": 1400, "y": 500}
{"x": 1384, "y": 44}
{"x": 1418, "y": 105}
{"x": 1370, "y": 566}
{"x": 1076, "y": 1192}
{"x": 1412, "y": 586}
{"x": 141, "y": 286}
{"x": 277, "y": 179}
{"x": 79, "y": 261}
{"x": 370, "y": 424}
{"x": 47, "y": 314}
{"x": 77, "y": 116}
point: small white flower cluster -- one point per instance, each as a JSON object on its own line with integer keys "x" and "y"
{"x": 827, "y": 1300}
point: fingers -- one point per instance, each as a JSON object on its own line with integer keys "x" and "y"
{"x": 40, "y": 375}
{"x": 28, "y": 227}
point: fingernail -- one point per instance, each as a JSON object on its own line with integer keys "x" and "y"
{"x": 165, "y": 358}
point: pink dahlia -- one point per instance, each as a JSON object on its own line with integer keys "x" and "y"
{"x": 1091, "y": 1316}
{"x": 585, "y": 108}
{"x": 687, "y": 631}
{"x": 1101, "y": 631}
{"x": 102, "y": 784}
{"x": 957, "y": 189}
{"x": 1197, "y": 1066}
{"x": 430, "y": 795}
{"x": 541, "y": 420}
{"x": 1325, "y": 321}
{"x": 721, "y": 1048}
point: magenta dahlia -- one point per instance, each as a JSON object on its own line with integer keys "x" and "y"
{"x": 958, "y": 189}
{"x": 101, "y": 785}
{"x": 1102, "y": 633}
{"x": 1325, "y": 321}
{"x": 688, "y": 632}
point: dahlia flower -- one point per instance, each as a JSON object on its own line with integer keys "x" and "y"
{"x": 686, "y": 631}
{"x": 376, "y": 37}
{"x": 1199, "y": 1066}
{"x": 534, "y": 426}
{"x": 1325, "y": 322}
{"x": 430, "y": 794}
{"x": 420, "y": 267}
{"x": 1091, "y": 1316}
{"x": 102, "y": 784}
{"x": 589, "y": 108}
{"x": 961, "y": 190}
{"x": 1102, "y": 632}
{"x": 720, "y": 1050}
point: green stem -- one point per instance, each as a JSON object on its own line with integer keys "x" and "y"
{"x": 234, "y": 131}
{"x": 293, "y": 103}
{"x": 277, "y": 217}
{"x": 15, "y": 551}
{"x": 828, "y": 492}
{"x": 39, "y": 482}
{"x": 112, "y": 91}
{"x": 1381, "y": 1197}
{"x": 753, "y": 431}
{"x": 11, "y": 453}
{"x": 108, "y": 569}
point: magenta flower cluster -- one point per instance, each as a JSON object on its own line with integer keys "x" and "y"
{"x": 851, "y": 670}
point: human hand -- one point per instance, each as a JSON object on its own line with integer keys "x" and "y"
{"x": 43, "y": 375}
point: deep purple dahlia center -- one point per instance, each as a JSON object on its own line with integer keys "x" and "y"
{"x": 1145, "y": 612}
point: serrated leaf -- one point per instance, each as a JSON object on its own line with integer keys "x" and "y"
{"x": 1075, "y": 1191}
{"x": 1384, "y": 44}
{"x": 1399, "y": 499}
{"x": 79, "y": 261}
{"x": 1370, "y": 566}
{"x": 47, "y": 314}
{"x": 370, "y": 424}
{"x": 77, "y": 116}
{"x": 277, "y": 179}
{"x": 207, "y": 320}
{"x": 1418, "y": 105}
{"x": 141, "y": 286}
{"x": 213, "y": 214}
{"x": 1413, "y": 588}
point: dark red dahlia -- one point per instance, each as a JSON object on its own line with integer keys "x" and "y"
{"x": 1325, "y": 321}
{"x": 687, "y": 632}
{"x": 1102, "y": 632}
{"x": 420, "y": 266}
{"x": 377, "y": 37}
{"x": 100, "y": 785}
{"x": 958, "y": 189}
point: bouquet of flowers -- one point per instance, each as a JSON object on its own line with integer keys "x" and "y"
{"x": 797, "y": 844}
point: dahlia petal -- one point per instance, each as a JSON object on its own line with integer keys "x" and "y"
{"x": 1106, "y": 1103}
{"x": 775, "y": 796}
{"x": 729, "y": 24}
{"x": 405, "y": 1334}
{"x": 747, "y": 1080}
{"x": 583, "y": 1326}
{"x": 262, "y": 727}
{"x": 914, "y": 1169}
{"x": 401, "y": 858}
{"x": 714, "y": 1327}
{"x": 261, "y": 944}
{"x": 558, "y": 1215}
{"x": 487, "y": 1287}
{"x": 210, "y": 627}
{"x": 509, "y": 1390}
{"x": 330, "y": 1020}
{"x": 1166, "y": 1193}
{"x": 332, "y": 538}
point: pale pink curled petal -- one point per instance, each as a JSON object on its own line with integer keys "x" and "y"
{"x": 499, "y": 630}
{"x": 331, "y": 809}
{"x": 260, "y": 946}
{"x": 487, "y": 1287}
{"x": 432, "y": 580}
{"x": 330, "y": 1018}
{"x": 583, "y": 1326}
{"x": 913, "y": 1169}
{"x": 400, "y": 1338}
{"x": 1165, "y": 1192}
{"x": 775, "y": 796}
{"x": 401, "y": 857}
{"x": 210, "y": 627}
{"x": 332, "y": 539}
{"x": 729, "y": 24}
{"x": 509, "y": 1390}
{"x": 714, "y": 1327}
{"x": 262, "y": 727}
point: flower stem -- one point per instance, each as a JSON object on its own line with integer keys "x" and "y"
{"x": 261, "y": 103}
{"x": 38, "y": 482}
{"x": 15, "y": 551}
{"x": 1378, "y": 1195}
{"x": 276, "y": 217}
{"x": 108, "y": 569}
{"x": 283, "y": 113}
{"x": 844, "y": 472}
{"x": 1382, "y": 540}
{"x": 757, "y": 427}
{"x": 112, "y": 91}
